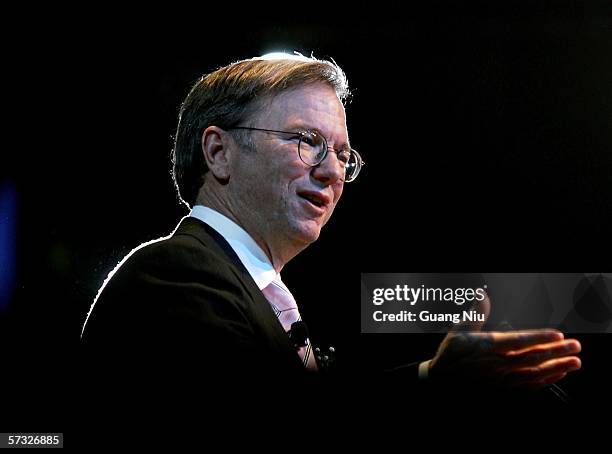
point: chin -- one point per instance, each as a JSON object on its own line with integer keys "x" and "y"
{"x": 311, "y": 237}
{"x": 307, "y": 233}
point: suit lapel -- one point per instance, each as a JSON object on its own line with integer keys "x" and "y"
{"x": 261, "y": 310}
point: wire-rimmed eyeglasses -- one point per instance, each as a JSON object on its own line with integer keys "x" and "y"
{"x": 313, "y": 148}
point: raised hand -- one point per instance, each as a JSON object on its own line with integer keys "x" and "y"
{"x": 531, "y": 358}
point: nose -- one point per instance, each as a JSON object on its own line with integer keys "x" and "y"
{"x": 330, "y": 170}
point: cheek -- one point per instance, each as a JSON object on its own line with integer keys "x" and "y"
{"x": 284, "y": 163}
{"x": 337, "y": 194}
{"x": 268, "y": 179}
{"x": 338, "y": 188}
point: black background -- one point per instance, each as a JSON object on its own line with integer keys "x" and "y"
{"x": 486, "y": 133}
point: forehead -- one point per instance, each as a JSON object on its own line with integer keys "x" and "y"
{"x": 314, "y": 106}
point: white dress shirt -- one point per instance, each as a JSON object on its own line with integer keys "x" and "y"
{"x": 248, "y": 251}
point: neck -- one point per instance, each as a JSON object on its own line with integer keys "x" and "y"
{"x": 277, "y": 252}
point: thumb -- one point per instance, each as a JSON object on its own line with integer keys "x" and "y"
{"x": 482, "y": 310}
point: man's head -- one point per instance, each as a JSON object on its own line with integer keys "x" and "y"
{"x": 257, "y": 178}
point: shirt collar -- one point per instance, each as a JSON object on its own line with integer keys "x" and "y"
{"x": 248, "y": 251}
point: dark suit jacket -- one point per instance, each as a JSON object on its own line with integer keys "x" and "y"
{"x": 182, "y": 313}
{"x": 181, "y": 322}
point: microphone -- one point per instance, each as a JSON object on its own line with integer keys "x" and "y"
{"x": 298, "y": 334}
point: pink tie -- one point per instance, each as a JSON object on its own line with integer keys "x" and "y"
{"x": 286, "y": 310}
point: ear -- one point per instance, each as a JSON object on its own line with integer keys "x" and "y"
{"x": 217, "y": 151}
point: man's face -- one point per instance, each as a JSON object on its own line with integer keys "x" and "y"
{"x": 272, "y": 190}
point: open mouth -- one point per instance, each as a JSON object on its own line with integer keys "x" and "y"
{"x": 320, "y": 201}
{"x": 314, "y": 200}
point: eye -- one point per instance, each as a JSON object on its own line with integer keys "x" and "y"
{"x": 344, "y": 155}
{"x": 295, "y": 138}
{"x": 311, "y": 139}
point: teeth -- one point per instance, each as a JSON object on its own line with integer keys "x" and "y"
{"x": 313, "y": 200}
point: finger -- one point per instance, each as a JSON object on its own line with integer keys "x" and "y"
{"x": 544, "y": 382}
{"x": 544, "y": 371}
{"x": 543, "y": 352}
{"x": 553, "y": 379}
{"x": 501, "y": 342}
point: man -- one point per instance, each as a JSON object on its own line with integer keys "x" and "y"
{"x": 261, "y": 156}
